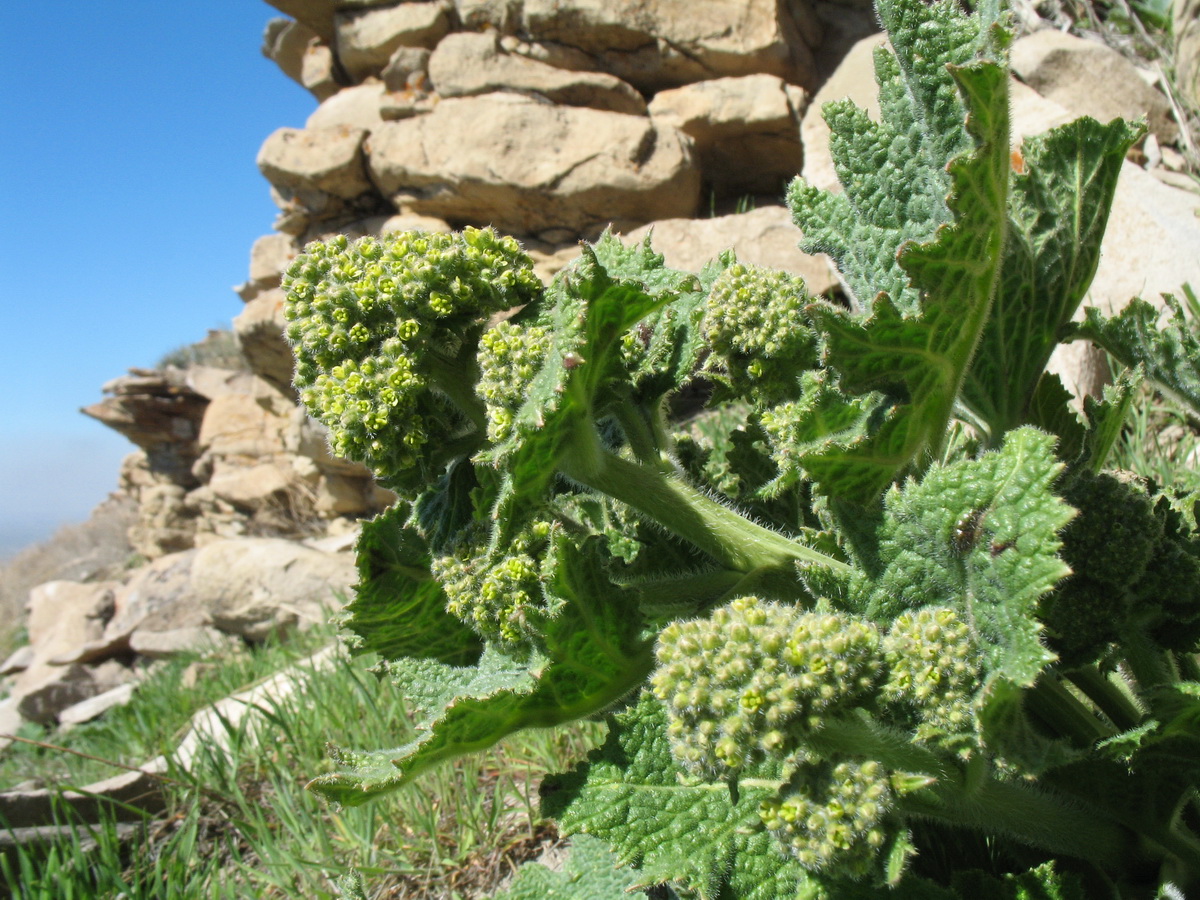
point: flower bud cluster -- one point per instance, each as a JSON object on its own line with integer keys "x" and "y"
{"x": 367, "y": 318}
{"x": 933, "y": 669}
{"x": 756, "y": 331}
{"x": 509, "y": 357}
{"x": 745, "y": 683}
{"x": 500, "y": 597}
{"x": 835, "y": 820}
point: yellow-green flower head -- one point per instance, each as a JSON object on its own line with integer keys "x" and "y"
{"x": 757, "y": 335}
{"x": 499, "y": 596}
{"x": 933, "y": 669}
{"x": 835, "y": 819}
{"x": 746, "y": 683}
{"x": 375, "y": 324}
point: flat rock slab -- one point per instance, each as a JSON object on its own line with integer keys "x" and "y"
{"x": 655, "y": 44}
{"x": 527, "y": 166}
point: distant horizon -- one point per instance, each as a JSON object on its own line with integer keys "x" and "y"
{"x": 132, "y": 199}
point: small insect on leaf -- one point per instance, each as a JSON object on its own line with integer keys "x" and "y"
{"x": 573, "y": 360}
{"x": 966, "y": 532}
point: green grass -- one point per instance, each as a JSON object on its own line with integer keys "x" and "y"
{"x": 242, "y": 824}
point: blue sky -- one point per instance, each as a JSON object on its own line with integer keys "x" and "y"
{"x": 129, "y": 200}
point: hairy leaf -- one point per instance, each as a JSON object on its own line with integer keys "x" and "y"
{"x": 918, "y": 341}
{"x": 589, "y": 873}
{"x": 594, "y": 654}
{"x": 399, "y": 610}
{"x": 1170, "y": 354}
{"x": 982, "y": 536}
{"x": 708, "y": 836}
{"x": 1058, "y": 206}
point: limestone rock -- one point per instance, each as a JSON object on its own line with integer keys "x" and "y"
{"x": 269, "y": 256}
{"x": 318, "y": 72}
{"x": 65, "y": 614}
{"x": 256, "y": 586}
{"x": 18, "y": 661}
{"x": 406, "y": 68}
{"x": 526, "y": 166}
{"x": 157, "y": 598}
{"x": 1187, "y": 49}
{"x": 468, "y": 64}
{"x": 285, "y": 43}
{"x": 353, "y": 107}
{"x": 40, "y": 700}
{"x": 746, "y": 130}
{"x": 258, "y": 329}
{"x": 157, "y": 412}
{"x": 762, "y": 237}
{"x": 175, "y": 642}
{"x": 558, "y": 55}
{"x": 316, "y": 14}
{"x": 1090, "y": 79}
{"x": 365, "y": 40}
{"x": 413, "y": 222}
{"x": 656, "y": 44}
{"x": 313, "y": 168}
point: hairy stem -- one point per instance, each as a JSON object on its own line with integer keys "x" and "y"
{"x": 1108, "y": 697}
{"x": 732, "y": 540}
{"x": 1060, "y": 711}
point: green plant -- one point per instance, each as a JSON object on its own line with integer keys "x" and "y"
{"x": 862, "y": 628}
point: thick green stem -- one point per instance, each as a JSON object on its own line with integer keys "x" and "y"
{"x": 1025, "y": 814}
{"x": 732, "y": 540}
{"x": 1108, "y": 697}
{"x": 1059, "y": 709}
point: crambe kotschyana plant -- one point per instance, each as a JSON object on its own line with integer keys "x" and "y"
{"x": 894, "y": 631}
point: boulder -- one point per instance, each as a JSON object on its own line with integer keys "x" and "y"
{"x": 251, "y": 487}
{"x": 177, "y": 641}
{"x": 157, "y": 598}
{"x": 525, "y": 166}
{"x": 18, "y": 661}
{"x": 285, "y": 43}
{"x": 65, "y": 614}
{"x": 366, "y": 39}
{"x": 255, "y": 587}
{"x": 1090, "y": 79}
{"x": 353, "y": 107}
{"x": 746, "y": 130}
{"x": 269, "y": 256}
{"x": 312, "y": 165}
{"x": 318, "y": 72}
{"x": 42, "y": 696}
{"x": 467, "y": 64}
{"x": 259, "y": 329}
{"x": 656, "y": 44}
{"x": 762, "y": 237}
{"x": 96, "y": 706}
{"x": 316, "y": 14}
{"x": 405, "y": 66}
{"x": 159, "y": 413}
{"x": 241, "y": 426}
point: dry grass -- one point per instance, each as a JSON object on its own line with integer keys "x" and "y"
{"x": 96, "y": 549}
